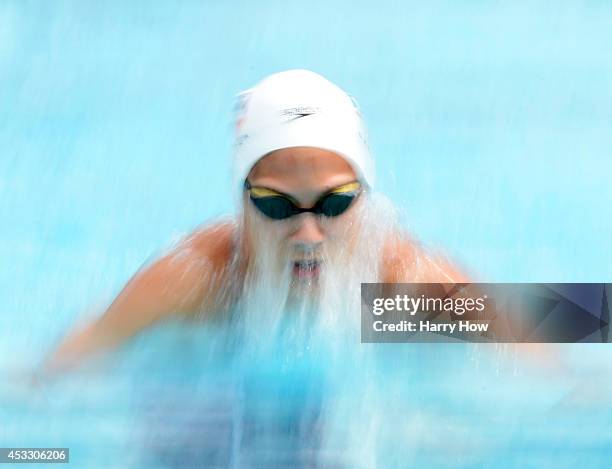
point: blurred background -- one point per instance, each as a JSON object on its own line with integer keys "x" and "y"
{"x": 490, "y": 122}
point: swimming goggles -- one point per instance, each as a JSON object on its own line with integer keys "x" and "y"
{"x": 281, "y": 206}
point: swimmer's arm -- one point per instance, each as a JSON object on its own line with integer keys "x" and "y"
{"x": 179, "y": 283}
{"x": 405, "y": 261}
{"x": 164, "y": 288}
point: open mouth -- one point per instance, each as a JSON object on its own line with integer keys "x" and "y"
{"x": 306, "y": 269}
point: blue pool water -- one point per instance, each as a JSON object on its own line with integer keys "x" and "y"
{"x": 490, "y": 123}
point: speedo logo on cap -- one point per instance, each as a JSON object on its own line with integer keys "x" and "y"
{"x": 298, "y": 112}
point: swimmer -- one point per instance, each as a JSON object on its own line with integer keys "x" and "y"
{"x": 303, "y": 178}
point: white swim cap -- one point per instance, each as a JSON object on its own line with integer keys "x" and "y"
{"x": 299, "y": 108}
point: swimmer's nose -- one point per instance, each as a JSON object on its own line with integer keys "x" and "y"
{"x": 308, "y": 232}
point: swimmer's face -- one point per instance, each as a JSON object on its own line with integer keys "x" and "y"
{"x": 304, "y": 174}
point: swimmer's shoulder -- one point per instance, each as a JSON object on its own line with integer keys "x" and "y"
{"x": 214, "y": 243}
{"x": 406, "y": 260}
{"x": 399, "y": 258}
{"x": 191, "y": 276}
